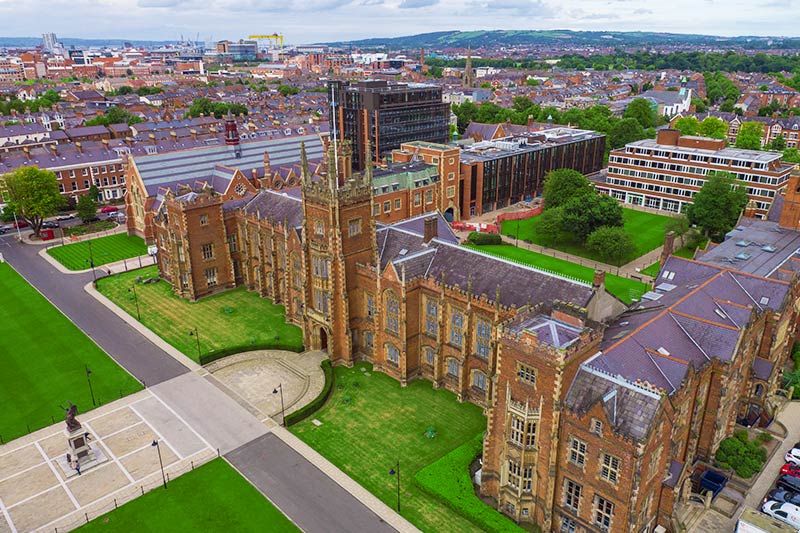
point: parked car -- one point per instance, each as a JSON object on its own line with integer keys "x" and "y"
{"x": 789, "y": 483}
{"x": 785, "y": 512}
{"x": 783, "y": 496}
{"x": 793, "y": 455}
{"x": 3, "y": 230}
{"x": 66, "y": 216}
{"x": 20, "y": 224}
{"x": 50, "y": 224}
{"x": 109, "y": 209}
{"x": 790, "y": 469}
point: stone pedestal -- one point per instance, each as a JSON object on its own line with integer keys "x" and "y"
{"x": 78, "y": 448}
{"x": 83, "y": 452}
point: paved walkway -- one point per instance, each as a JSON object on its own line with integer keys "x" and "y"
{"x": 214, "y": 415}
{"x": 39, "y": 491}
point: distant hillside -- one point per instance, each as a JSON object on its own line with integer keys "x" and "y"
{"x": 494, "y": 38}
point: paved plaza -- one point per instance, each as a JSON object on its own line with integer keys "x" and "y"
{"x": 253, "y": 376}
{"x": 37, "y": 494}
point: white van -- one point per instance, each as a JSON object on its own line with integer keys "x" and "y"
{"x": 785, "y": 512}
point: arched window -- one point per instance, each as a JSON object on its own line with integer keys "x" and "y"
{"x": 759, "y": 390}
{"x": 479, "y": 380}
{"x": 393, "y": 354}
{"x": 429, "y": 355}
{"x": 453, "y": 367}
{"x": 392, "y": 313}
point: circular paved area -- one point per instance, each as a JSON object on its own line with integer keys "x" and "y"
{"x": 255, "y": 375}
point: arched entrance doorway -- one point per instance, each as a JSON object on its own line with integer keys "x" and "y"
{"x": 449, "y": 214}
{"x": 323, "y": 340}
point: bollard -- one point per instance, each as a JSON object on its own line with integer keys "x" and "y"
{"x": 192, "y": 465}
{"x": 52, "y": 419}
{"x": 115, "y": 503}
{"x": 1, "y": 439}
{"x": 86, "y": 515}
{"x": 28, "y": 426}
{"x": 140, "y": 261}
{"x": 142, "y": 487}
{"x": 218, "y": 454}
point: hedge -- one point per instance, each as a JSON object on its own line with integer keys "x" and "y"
{"x": 478, "y": 238}
{"x": 744, "y": 456}
{"x": 448, "y": 480}
{"x": 304, "y": 412}
{"x": 230, "y": 350}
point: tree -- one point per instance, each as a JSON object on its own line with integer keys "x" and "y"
{"x": 678, "y": 225}
{"x": 549, "y": 224}
{"x": 778, "y": 143}
{"x": 625, "y": 131}
{"x": 584, "y": 213}
{"x": 532, "y": 82}
{"x": 32, "y": 194}
{"x": 699, "y": 105}
{"x": 561, "y": 185}
{"x": 287, "y": 90}
{"x": 727, "y": 106}
{"x": 717, "y": 205}
{"x": 87, "y": 207}
{"x": 713, "y": 127}
{"x": 687, "y": 125}
{"x": 114, "y": 115}
{"x": 642, "y": 111}
{"x": 125, "y": 89}
{"x": 749, "y": 137}
{"x": 791, "y": 155}
{"x": 612, "y": 243}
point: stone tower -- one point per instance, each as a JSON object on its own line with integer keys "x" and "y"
{"x": 469, "y": 74}
{"x": 338, "y": 234}
{"x": 790, "y": 214}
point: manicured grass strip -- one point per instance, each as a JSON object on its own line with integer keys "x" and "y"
{"x": 212, "y": 497}
{"x": 370, "y": 422}
{"x": 652, "y": 270}
{"x": 231, "y": 318}
{"x": 104, "y": 250}
{"x": 646, "y": 229}
{"x": 448, "y": 480}
{"x": 623, "y": 288}
{"x": 43, "y": 356}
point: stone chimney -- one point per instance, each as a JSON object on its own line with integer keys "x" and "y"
{"x": 54, "y": 148}
{"x": 173, "y": 136}
{"x": 431, "y": 229}
{"x": 79, "y": 147}
{"x": 27, "y": 152}
{"x": 267, "y": 167}
{"x": 193, "y": 133}
{"x": 105, "y": 143}
{"x": 669, "y": 246}
{"x": 599, "y": 279}
{"x": 152, "y": 138}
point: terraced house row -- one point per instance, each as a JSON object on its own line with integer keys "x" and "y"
{"x": 597, "y": 411}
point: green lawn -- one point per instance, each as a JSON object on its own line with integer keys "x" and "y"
{"x": 623, "y": 288}
{"x": 652, "y": 270}
{"x": 104, "y": 250}
{"x": 42, "y": 358}
{"x": 370, "y": 422}
{"x": 225, "y": 320}
{"x": 646, "y": 229}
{"x": 213, "y": 497}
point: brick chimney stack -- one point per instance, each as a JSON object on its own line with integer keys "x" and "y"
{"x": 232, "y": 135}
{"x": 599, "y": 279}
{"x": 431, "y": 229}
{"x": 669, "y": 246}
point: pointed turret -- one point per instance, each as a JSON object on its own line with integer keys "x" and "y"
{"x": 469, "y": 79}
{"x": 305, "y": 174}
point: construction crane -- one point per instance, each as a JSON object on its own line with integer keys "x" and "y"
{"x": 274, "y": 37}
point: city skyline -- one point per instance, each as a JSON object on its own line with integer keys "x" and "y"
{"x": 357, "y": 19}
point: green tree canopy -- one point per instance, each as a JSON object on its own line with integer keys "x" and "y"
{"x": 561, "y": 185}
{"x": 114, "y": 115}
{"x": 550, "y": 223}
{"x": 713, "y": 127}
{"x": 791, "y": 155}
{"x": 642, "y": 111}
{"x": 750, "y": 135}
{"x": 687, "y": 125}
{"x": 32, "y": 194}
{"x": 86, "y": 207}
{"x": 625, "y": 131}
{"x": 778, "y": 143}
{"x": 612, "y": 243}
{"x": 206, "y": 107}
{"x": 287, "y": 90}
{"x": 584, "y": 213}
{"x": 718, "y": 204}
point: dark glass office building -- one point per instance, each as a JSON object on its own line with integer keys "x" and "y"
{"x": 387, "y": 115}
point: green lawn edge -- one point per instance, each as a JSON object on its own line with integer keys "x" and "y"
{"x": 104, "y": 250}
{"x": 213, "y": 497}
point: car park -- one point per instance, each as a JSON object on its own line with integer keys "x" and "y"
{"x": 50, "y": 224}
{"x": 785, "y": 512}
{"x": 109, "y": 209}
{"x": 3, "y": 230}
{"x": 793, "y": 455}
{"x": 20, "y": 224}
{"x": 783, "y": 496}
{"x": 789, "y": 483}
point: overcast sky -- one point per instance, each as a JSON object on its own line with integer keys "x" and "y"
{"x": 305, "y": 21}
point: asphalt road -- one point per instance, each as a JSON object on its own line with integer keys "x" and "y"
{"x": 139, "y": 356}
{"x": 307, "y": 495}
{"x": 315, "y": 502}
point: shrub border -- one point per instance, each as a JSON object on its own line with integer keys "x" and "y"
{"x": 315, "y": 404}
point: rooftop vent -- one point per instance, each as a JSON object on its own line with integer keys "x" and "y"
{"x": 403, "y": 251}
{"x": 743, "y": 243}
{"x": 743, "y": 256}
{"x": 768, "y": 248}
{"x": 662, "y": 350}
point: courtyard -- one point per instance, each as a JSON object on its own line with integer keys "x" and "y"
{"x": 44, "y": 363}
{"x": 213, "y": 497}
{"x": 370, "y": 423}
{"x": 235, "y": 320}
{"x": 623, "y": 288}
{"x": 104, "y": 250}
{"x": 36, "y": 491}
{"x": 646, "y": 229}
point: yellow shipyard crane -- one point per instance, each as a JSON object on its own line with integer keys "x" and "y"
{"x": 274, "y": 37}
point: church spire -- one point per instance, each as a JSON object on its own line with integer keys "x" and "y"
{"x": 305, "y": 175}
{"x": 469, "y": 77}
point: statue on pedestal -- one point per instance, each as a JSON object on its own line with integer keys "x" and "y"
{"x": 71, "y": 413}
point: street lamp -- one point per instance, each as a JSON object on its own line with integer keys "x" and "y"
{"x": 194, "y": 333}
{"x": 16, "y": 223}
{"x": 91, "y": 260}
{"x": 516, "y": 235}
{"x": 88, "y": 379}
{"x": 160, "y": 462}
{"x": 136, "y": 299}
{"x": 283, "y": 411}
{"x": 392, "y": 472}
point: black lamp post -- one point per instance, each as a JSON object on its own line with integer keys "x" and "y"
{"x": 136, "y": 299}
{"x": 277, "y": 389}
{"x": 160, "y": 462}
{"x": 516, "y": 235}
{"x": 194, "y": 333}
{"x": 396, "y": 471}
{"x": 89, "y": 380}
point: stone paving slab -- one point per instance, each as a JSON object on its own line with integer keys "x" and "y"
{"x": 113, "y": 422}
{"x": 141, "y": 464}
{"x": 130, "y": 439}
{"x": 180, "y": 436}
{"x": 96, "y": 482}
{"x": 22, "y": 486}
{"x": 40, "y": 510}
{"x": 25, "y": 458}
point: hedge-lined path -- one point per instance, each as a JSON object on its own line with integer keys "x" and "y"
{"x": 203, "y": 406}
{"x": 253, "y": 376}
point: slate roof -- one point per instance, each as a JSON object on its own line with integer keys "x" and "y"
{"x": 277, "y": 206}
